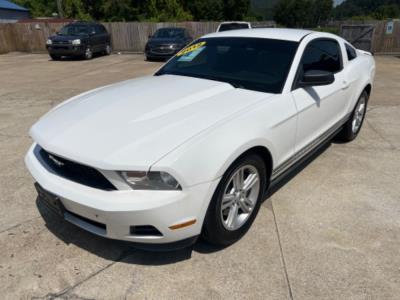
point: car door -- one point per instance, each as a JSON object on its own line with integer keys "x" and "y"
{"x": 320, "y": 108}
{"x": 102, "y": 33}
{"x": 96, "y": 39}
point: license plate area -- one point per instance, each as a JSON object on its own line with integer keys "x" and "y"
{"x": 52, "y": 201}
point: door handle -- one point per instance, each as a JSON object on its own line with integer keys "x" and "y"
{"x": 345, "y": 85}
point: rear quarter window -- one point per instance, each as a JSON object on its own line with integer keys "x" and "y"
{"x": 351, "y": 52}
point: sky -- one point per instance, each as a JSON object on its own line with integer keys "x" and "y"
{"x": 337, "y": 2}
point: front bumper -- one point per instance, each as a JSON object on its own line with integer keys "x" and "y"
{"x": 156, "y": 53}
{"x": 119, "y": 210}
{"x": 66, "y": 50}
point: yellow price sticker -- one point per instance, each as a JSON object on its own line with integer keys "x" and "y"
{"x": 190, "y": 48}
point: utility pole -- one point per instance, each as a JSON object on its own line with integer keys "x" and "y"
{"x": 60, "y": 9}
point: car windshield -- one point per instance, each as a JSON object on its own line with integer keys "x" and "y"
{"x": 233, "y": 26}
{"x": 74, "y": 30}
{"x": 169, "y": 33}
{"x": 249, "y": 63}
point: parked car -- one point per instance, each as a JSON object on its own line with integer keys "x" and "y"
{"x": 79, "y": 39}
{"x": 193, "y": 149}
{"x": 166, "y": 42}
{"x": 225, "y": 26}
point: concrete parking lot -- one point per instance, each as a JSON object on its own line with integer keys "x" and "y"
{"x": 330, "y": 232}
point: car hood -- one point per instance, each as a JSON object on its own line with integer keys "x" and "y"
{"x": 132, "y": 124}
{"x": 62, "y": 38}
{"x": 158, "y": 41}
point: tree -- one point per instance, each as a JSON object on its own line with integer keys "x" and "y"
{"x": 206, "y": 9}
{"x": 236, "y": 9}
{"x": 302, "y": 13}
{"x": 368, "y": 9}
{"x": 166, "y": 10}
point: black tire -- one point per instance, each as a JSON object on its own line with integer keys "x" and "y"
{"x": 55, "y": 57}
{"x": 108, "y": 50}
{"x": 349, "y": 133}
{"x": 214, "y": 231}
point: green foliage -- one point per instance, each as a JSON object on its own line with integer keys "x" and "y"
{"x": 142, "y": 10}
{"x": 39, "y": 8}
{"x": 368, "y": 9}
{"x": 302, "y": 13}
{"x": 236, "y": 9}
{"x": 166, "y": 10}
{"x": 207, "y": 9}
{"x": 334, "y": 30}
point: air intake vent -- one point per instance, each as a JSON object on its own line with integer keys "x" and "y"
{"x": 145, "y": 230}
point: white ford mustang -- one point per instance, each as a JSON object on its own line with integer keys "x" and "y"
{"x": 192, "y": 149}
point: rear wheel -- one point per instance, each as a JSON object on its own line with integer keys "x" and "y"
{"x": 236, "y": 201}
{"x": 107, "y": 50}
{"x": 353, "y": 126}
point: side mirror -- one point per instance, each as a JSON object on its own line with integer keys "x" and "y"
{"x": 317, "y": 78}
{"x": 150, "y": 36}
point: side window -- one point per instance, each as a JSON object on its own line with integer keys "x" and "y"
{"x": 322, "y": 55}
{"x": 99, "y": 30}
{"x": 351, "y": 52}
{"x": 92, "y": 29}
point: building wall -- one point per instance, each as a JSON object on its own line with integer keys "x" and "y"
{"x": 8, "y": 14}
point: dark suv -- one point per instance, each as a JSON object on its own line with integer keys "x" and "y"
{"x": 166, "y": 42}
{"x": 79, "y": 39}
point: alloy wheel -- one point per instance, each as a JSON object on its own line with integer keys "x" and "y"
{"x": 359, "y": 114}
{"x": 240, "y": 197}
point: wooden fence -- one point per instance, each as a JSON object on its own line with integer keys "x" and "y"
{"x": 132, "y": 36}
{"x": 374, "y": 36}
{"x": 125, "y": 36}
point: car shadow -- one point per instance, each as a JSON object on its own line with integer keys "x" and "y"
{"x": 77, "y": 58}
{"x": 121, "y": 251}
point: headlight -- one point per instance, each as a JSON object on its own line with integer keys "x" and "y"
{"x": 76, "y": 42}
{"x": 49, "y": 42}
{"x": 141, "y": 180}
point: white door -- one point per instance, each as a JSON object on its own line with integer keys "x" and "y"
{"x": 319, "y": 108}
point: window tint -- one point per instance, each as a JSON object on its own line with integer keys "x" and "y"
{"x": 351, "y": 52}
{"x": 169, "y": 33}
{"x": 247, "y": 63}
{"x": 233, "y": 26}
{"x": 322, "y": 55}
{"x": 74, "y": 29}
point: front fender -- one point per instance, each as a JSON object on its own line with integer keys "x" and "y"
{"x": 271, "y": 125}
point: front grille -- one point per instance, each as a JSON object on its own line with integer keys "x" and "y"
{"x": 73, "y": 171}
{"x": 162, "y": 49}
{"x": 61, "y": 42}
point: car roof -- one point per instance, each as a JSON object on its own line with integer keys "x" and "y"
{"x": 172, "y": 28}
{"x": 234, "y": 22}
{"x": 82, "y": 23}
{"x": 268, "y": 33}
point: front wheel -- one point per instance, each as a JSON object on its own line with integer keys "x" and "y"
{"x": 55, "y": 57}
{"x": 88, "y": 53}
{"x": 236, "y": 201}
{"x": 353, "y": 126}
